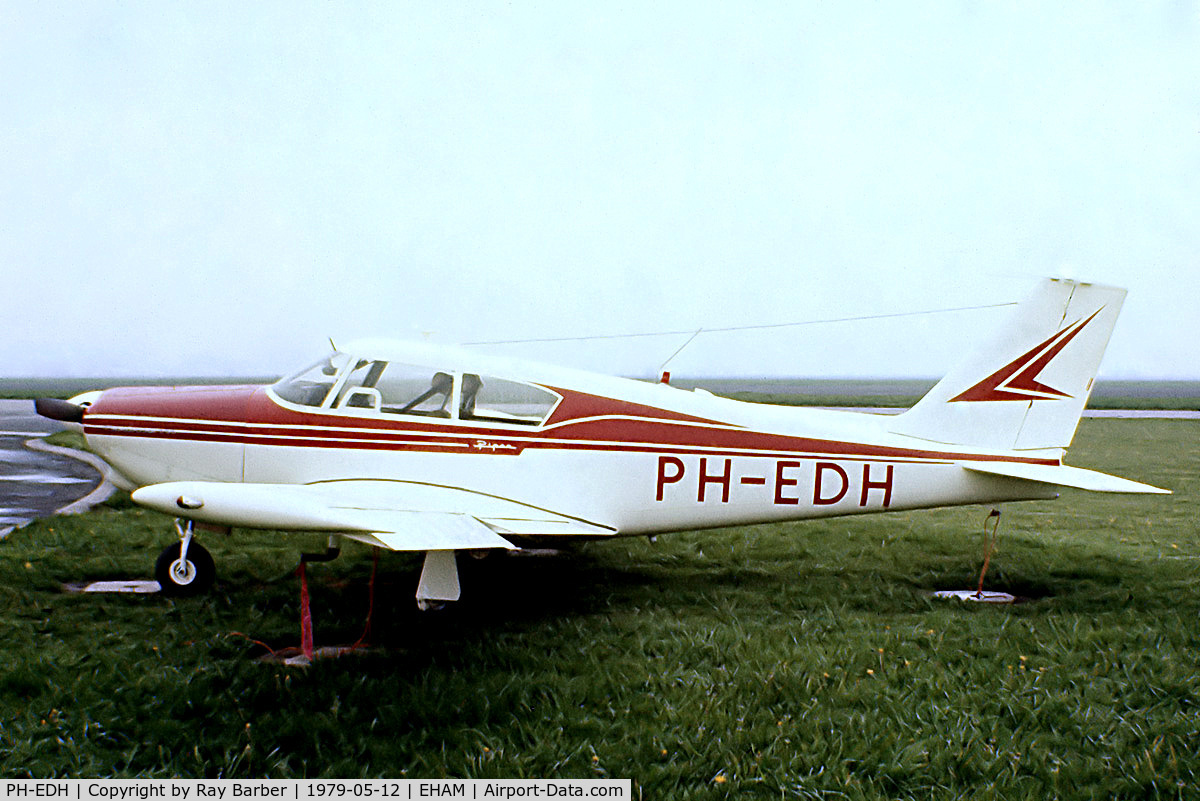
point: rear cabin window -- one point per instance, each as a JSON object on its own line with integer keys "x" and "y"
{"x": 502, "y": 401}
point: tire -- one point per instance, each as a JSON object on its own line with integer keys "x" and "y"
{"x": 196, "y": 579}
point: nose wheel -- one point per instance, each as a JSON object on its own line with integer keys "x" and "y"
{"x": 185, "y": 567}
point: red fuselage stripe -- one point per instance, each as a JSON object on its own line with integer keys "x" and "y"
{"x": 670, "y": 439}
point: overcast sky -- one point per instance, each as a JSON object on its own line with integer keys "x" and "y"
{"x": 212, "y": 188}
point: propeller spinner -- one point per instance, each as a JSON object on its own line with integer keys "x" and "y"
{"x": 61, "y": 410}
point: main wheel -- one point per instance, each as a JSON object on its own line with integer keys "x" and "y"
{"x": 180, "y": 578}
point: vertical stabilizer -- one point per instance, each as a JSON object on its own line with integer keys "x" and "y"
{"x": 1025, "y": 389}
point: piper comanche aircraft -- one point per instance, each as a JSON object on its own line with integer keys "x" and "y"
{"x": 414, "y": 447}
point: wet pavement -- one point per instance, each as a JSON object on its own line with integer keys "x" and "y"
{"x": 35, "y": 484}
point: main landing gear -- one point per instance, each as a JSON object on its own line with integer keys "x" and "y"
{"x": 185, "y": 567}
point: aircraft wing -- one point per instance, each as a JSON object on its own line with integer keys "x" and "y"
{"x": 1063, "y": 476}
{"x": 400, "y": 515}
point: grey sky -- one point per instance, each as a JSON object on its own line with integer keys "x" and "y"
{"x": 219, "y": 188}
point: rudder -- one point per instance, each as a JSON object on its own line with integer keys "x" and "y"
{"x": 1027, "y": 387}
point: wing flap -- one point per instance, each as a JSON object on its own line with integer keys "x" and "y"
{"x": 1063, "y": 476}
{"x": 545, "y": 528}
{"x": 438, "y": 531}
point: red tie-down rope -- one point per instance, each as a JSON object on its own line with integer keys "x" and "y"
{"x": 306, "y": 625}
{"x": 989, "y": 547}
{"x": 364, "y": 640}
{"x": 306, "y": 630}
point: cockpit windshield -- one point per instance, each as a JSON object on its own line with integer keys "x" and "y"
{"x": 311, "y": 386}
{"x": 371, "y": 387}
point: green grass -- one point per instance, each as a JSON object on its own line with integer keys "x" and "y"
{"x": 798, "y": 661}
{"x": 904, "y": 393}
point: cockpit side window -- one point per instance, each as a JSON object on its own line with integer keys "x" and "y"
{"x": 311, "y": 386}
{"x": 358, "y": 390}
{"x": 394, "y": 388}
{"x": 502, "y": 401}
{"x": 417, "y": 390}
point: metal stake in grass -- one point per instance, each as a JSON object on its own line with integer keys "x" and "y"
{"x": 989, "y": 547}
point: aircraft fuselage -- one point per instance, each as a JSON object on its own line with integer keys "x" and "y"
{"x": 630, "y": 467}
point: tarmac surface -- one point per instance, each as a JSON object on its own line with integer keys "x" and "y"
{"x": 33, "y": 483}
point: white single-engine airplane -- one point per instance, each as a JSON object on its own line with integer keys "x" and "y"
{"x": 419, "y": 448}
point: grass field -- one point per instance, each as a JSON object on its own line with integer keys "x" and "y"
{"x": 903, "y": 393}
{"x": 796, "y": 661}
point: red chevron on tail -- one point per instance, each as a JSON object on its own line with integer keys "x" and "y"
{"x": 1017, "y": 380}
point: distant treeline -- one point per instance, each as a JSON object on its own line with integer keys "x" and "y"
{"x": 68, "y": 387}
{"x": 904, "y": 392}
{"x": 885, "y": 392}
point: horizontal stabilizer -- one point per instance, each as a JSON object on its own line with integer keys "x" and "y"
{"x": 1063, "y": 476}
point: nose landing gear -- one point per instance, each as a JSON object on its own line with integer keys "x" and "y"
{"x": 184, "y": 568}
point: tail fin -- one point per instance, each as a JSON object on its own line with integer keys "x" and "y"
{"x": 1026, "y": 389}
